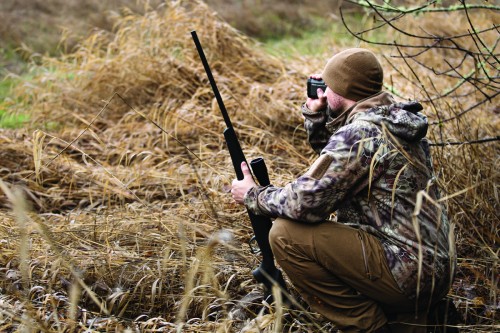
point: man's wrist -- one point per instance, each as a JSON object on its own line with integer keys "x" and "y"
{"x": 308, "y": 111}
{"x": 314, "y": 107}
{"x": 251, "y": 199}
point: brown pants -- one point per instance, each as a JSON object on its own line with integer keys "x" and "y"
{"x": 342, "y": 273}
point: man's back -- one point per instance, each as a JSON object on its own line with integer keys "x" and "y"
{"x": 398, "y": 199}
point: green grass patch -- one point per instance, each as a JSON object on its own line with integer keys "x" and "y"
{"x": 5, "y": 88}
{"x": 309, "y": 43}
{"x": 12, "y": 120}
{"x": 318, "y": 41}
{"x": 8, "y": 120}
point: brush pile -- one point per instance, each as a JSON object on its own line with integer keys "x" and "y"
{"x": 116, "y": 214}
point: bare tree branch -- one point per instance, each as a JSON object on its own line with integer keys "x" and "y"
{"x": 422, "y": 9}
{"x": 467, "y": 110}
{"x": 443, "y": 144}
{"x": 481, "y": 73}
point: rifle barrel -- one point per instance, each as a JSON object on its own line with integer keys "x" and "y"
{"x": 222, "y": 107}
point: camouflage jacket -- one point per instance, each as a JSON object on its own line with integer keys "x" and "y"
{"x": 375, "y": 173}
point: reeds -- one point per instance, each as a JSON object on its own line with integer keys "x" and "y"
{"x": 124, "y": 226}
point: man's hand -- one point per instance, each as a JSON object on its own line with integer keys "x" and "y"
{"x": 320, "y": 103}
{"x": 241, "y": 187}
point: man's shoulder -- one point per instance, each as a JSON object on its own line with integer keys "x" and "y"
{"x": 359, "y": 128}
{"x": 354, "y": 134}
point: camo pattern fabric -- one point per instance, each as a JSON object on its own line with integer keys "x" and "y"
{"x": 375, "y": 173}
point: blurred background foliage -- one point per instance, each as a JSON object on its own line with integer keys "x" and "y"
{"x": 29, "y": 28}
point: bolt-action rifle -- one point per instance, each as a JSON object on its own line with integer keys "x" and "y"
{"x": 266, "y": 273}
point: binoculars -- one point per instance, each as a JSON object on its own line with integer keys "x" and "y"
{"x": 312, "y": 87}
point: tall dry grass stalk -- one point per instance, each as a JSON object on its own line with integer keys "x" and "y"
{"x": 124, "y": 214}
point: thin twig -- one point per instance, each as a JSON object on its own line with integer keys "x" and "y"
{"x": 443, "y": 144}
{"x": 467, "y": 110}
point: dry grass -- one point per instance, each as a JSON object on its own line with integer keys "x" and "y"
{"x": 131, "y": 226}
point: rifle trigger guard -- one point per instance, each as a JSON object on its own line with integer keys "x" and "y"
{"x": 254, "y": 246}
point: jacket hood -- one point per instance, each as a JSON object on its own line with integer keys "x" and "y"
{"x": 401, "y": 119}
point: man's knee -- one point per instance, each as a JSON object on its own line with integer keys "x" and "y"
{"x": 277, "y": 235}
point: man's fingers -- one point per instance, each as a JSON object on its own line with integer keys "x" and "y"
{"x": 320, "y": 93}
{"x": 245, "y": 170}
{"x": 316, "y": 76}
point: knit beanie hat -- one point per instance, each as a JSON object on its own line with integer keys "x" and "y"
{"x": 354, "y": 74}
